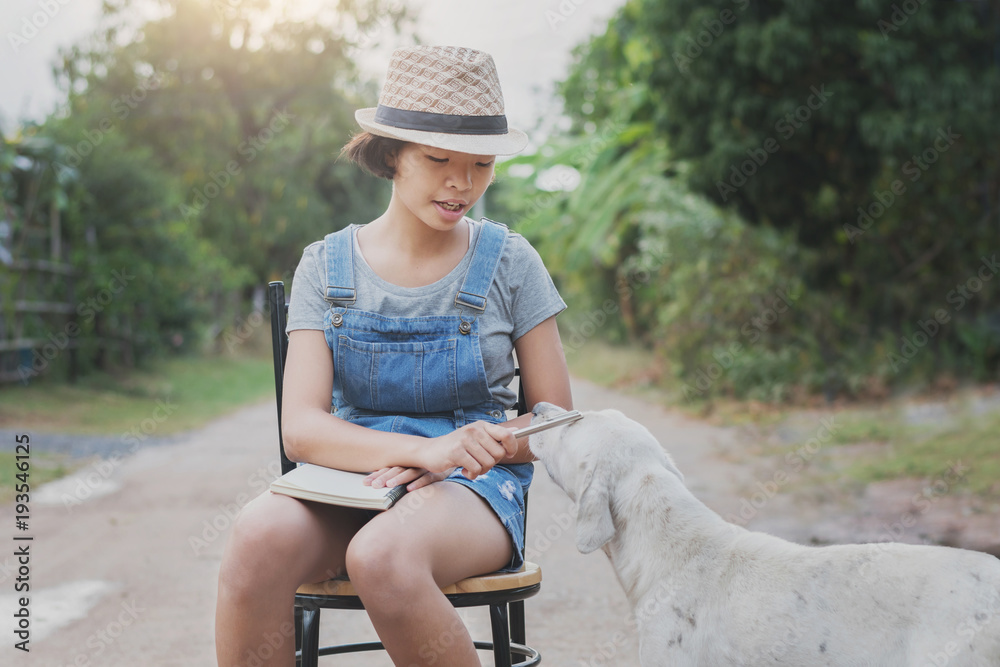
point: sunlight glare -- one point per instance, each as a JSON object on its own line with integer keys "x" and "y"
{"x": 309, "y": 10}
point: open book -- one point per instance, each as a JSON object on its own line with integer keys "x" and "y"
{"x": 335, "y": 487}
{"x": 340, "y": 487}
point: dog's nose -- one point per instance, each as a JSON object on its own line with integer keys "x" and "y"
{"x": 544, "y": 409}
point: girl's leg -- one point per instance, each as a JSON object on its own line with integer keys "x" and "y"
{"x": 397, "y": 562}
{"x": 277, "y": 544}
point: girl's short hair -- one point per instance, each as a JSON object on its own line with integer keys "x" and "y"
{"x": 371, "y": 152}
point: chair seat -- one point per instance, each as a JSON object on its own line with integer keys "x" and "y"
{"x": 529, "y": 575}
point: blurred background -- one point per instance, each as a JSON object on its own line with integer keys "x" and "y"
{"x": 753, "y": 207}
{"x": 777, "y": 225}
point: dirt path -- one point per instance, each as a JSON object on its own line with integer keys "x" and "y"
{"x": 126, "y": 553}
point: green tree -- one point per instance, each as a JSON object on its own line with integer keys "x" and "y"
{"x": 858, "y": 143}
{"x": 864, "y": 128}
{"x": 247, "y": 106}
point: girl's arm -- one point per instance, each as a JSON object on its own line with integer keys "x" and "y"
{"x": 544, "y": 376}
{"x": 312, "y": 434}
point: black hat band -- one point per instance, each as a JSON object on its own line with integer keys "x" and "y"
{"x": 426, "y": 121}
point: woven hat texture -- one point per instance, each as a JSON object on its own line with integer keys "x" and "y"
{"x": 451, "y": 80}
{"x": 453, "y": 97}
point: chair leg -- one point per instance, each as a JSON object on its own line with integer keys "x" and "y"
{"x": 517, "y": 634}
{"x": 310, "y": 637}
{"x": 298, "y": 635}
{"x": 501, "y": 635}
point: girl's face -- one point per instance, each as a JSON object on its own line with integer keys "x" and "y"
{"x": 438, "y": 186}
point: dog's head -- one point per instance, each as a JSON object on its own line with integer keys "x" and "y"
{"x": 587, "y": 458}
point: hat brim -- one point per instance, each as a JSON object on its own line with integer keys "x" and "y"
{"x": 514, "y": 141}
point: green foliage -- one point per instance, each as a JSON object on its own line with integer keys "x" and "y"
{"x": 247, "y": 108}
{"x": 195, "y": 157}
{"x": 136, "y": 264}
{"x": 143, "y": 271}
{"x": 885, "y": 161}
{"x": 853, "y": 154}
{"x": 642, "y": 259}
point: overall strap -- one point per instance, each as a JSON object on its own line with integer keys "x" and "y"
{"x": 340, "y": 267}
{"x": 485, "y": 260}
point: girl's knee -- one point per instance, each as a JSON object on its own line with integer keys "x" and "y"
{"x": 370, "y": 556}
{"x": 377, "y": 561}
{"x": 269, "y": 531}
{"x": 265, "y": 521}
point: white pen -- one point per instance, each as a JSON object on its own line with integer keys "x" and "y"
{"x": 564, "y": 418}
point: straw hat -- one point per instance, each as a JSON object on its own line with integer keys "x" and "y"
{"x": 443, "y": 96}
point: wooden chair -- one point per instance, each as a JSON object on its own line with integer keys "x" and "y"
{"x": 503, "y": 593}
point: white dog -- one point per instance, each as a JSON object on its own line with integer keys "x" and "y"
{"x": 707, "y": 593}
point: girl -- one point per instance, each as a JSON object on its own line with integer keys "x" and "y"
{"x": 409, "y": 323}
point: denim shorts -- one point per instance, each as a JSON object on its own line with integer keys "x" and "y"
{"x": 502, "y": 487}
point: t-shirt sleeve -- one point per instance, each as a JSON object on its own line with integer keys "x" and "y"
{"x": 533, "y": 296}
{"x": 307, "y": 306}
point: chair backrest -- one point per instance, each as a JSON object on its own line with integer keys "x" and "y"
{"x": 279, "y": 349}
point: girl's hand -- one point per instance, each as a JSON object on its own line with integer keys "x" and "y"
{"x": 413, "y": 478}
{"x": 475, "y": 448}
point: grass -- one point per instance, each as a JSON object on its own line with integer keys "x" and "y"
{"x": 863, "y": 425}
{"x": 188, "y": 391}
{"x": 171, "y": 396}
{"x": 962, "y": 452}
{"x": 610, "y": 365}
{"x": 926, "y": 450}
{"x": 44, "y": 468}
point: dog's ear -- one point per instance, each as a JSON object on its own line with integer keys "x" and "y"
{"x": 594, "y": 525}
{"x": 668, "y": 463}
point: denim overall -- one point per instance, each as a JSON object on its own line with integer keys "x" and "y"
{"x": 422, "y": 375}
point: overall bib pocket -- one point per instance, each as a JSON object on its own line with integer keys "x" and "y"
{"x": 401, "y": 377}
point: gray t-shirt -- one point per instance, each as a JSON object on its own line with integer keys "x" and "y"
{"x": 521, "y": 297}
